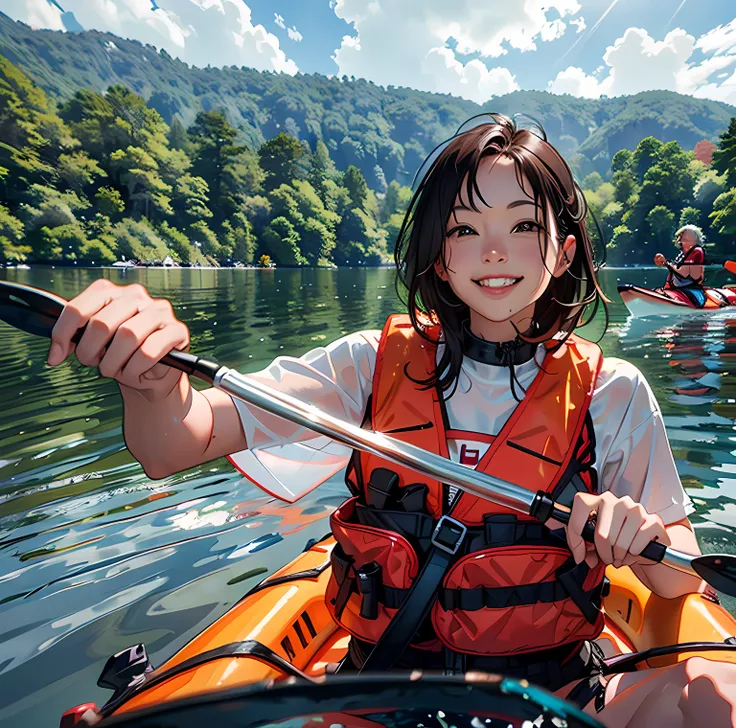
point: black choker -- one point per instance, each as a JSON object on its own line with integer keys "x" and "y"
{"x": 495, "y": 353}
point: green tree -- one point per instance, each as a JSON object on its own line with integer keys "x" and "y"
{"x": 239, "y": 238}
{"x": 689, "y": 216}
{"x": 662, "y": 223}
{"x": 624, "y": 184}
{"x": 396, "y": 200}
{"x": 109, "y": 202}
{"x": 281, "y": 242}
{"x": 357, "y": 188}
{"x": 622, "y": 160}
{"x": 216, "y": 158}
{"x": 622, "y": 244}
{"x": 191, "y": 198}
{"x": 12, "y": 247}
{"x": 724, "y": 213}
{"x": 178, "y": 137}
{"x": 279, "y": 157}
{"x": 322, "y": 169}
{"x": 205, "y": 239}
{"x": 78, "y": 170}
{"x": 645, "y": 155}
{"x": 312, "y": 221}
{"x": 592, "y": 182}
{"x": 138, "y": 170}
{"x": 178, "y": 243}
{"x": 25, "y": 151}
{"x": 724, "y": 157}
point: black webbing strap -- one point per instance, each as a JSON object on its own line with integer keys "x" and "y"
{"x": 446, "y": 540}
{"x": 249, "y": 648}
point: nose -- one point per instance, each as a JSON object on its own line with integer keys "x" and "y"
{"x": 494, "y": 254}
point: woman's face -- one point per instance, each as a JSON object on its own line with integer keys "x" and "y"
{"x": 688, "y": 239}
{"x": 493, "y": 256}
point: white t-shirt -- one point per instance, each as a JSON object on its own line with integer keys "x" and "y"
{"x": 633, "y": 455}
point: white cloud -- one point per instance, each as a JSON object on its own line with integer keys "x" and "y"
{"x": 199, "y": 32}
{"x": 279, "y": 20}
{"x": 579, "y": 23}
{"x": 35, "y": 13}
{"x": 719, "y": 40}
{"x": 294, "y": 34}
{"x": 552, "y": 30}
{"x": 405, "y": 44}
{"x": 636, "y": 62}
{"x": 575, "y": 81}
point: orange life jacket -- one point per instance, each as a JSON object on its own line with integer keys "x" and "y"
{"x": 513, "y": 586}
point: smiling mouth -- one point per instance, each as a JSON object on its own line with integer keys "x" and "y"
{"x": 498, "y": 282}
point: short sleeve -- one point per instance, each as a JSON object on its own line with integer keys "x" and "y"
{"x": 288, "y": 460}
{"x": 696, "y": 256}
{"x": 632, "y": 450}
{"x": 336, "y": 378}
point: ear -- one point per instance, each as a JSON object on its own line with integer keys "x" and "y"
{"x": 440, "y": 270}
{"x": 567, "y": 254}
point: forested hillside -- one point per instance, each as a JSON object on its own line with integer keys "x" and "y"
{"x": 386, "y": 133}
{"x": 110, "y": 150}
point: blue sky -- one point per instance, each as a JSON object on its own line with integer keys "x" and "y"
{"x": 471, "y": 48}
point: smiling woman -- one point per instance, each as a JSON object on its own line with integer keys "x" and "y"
{"x": 501, "y": 222}
{"x": 499, "y": 271}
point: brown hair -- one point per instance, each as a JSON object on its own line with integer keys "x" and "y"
{"x": 420, "y": 242}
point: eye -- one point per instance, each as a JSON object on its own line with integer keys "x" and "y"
{"x": 461, "y": 231}
{"x": 527, "y": 226}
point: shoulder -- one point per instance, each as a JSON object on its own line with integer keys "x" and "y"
{"x": 696, "y": 255}
{"x": 622, "y": 393}
{"x": 353, "y": 344}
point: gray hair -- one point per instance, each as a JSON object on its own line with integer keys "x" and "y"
{"x": 690, "y": 229}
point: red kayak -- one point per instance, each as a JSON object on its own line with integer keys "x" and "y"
{"x": 671, "y": 302}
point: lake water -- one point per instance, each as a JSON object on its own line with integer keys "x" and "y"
{"x": 94, "y": 556}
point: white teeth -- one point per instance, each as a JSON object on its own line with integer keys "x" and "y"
{"x": 497, "y": 282}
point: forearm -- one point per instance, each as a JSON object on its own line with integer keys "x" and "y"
{"x": 665, "y": 581}
{"x": 171, "y": 434}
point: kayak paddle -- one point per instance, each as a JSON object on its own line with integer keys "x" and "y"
{"x": 36, "y": 311}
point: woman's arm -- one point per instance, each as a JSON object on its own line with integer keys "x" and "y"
{"x": 191, "y": 427}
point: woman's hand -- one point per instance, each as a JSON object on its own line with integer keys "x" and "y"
{"x": 623, "y": 529}
{"x": 660, "y": 260}
{"x": 127, "y": 333}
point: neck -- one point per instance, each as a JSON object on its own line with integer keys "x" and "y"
{"x": 500, "y": 331}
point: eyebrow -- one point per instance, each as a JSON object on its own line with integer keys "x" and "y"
{"x": 510, "y": 206}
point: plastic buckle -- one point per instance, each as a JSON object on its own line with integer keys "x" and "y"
{"x": 448, "y": 535}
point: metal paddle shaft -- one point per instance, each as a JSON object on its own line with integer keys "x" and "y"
{"x": 20, "y": 306}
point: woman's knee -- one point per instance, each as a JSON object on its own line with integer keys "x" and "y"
{"x": 709, "y": 688}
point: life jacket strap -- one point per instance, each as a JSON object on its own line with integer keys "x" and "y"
{"x": 446, "y": 539}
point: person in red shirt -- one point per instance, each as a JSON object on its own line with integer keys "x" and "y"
{"x": 687, "y": 272}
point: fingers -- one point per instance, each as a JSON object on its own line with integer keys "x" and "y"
{"x": 582, "y": 506}
{"x": 102, "y": 327}
{"x": 623, "y": 528}
{"x": 155, "y": 346}
{"x": 635, "y": 519}
{"x": 653, "y": 529}
{"x": 76, "y": 314}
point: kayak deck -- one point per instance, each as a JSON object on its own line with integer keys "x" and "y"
{"x": 287, "y": 614}
{"x": 668, "y": 301}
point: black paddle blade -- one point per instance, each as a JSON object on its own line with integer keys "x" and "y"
{"x": 718, "y": 570}
{"x": 29, "y": 309}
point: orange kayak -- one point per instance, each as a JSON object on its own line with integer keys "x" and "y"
{"x": 283, "y": 629}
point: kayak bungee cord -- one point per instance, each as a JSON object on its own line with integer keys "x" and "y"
{"x": 36, "y": 311}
